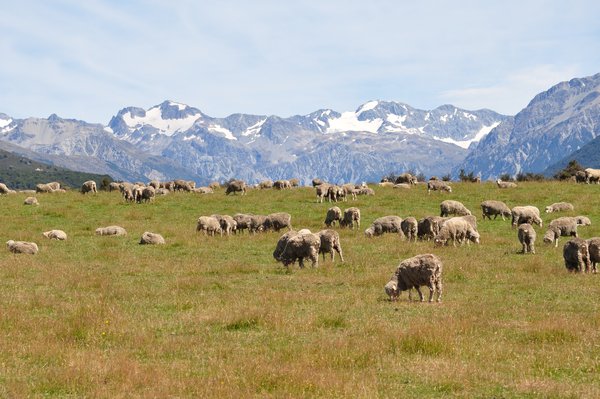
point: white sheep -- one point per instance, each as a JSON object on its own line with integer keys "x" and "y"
{"x": 111, "y": 231}
{"x": 149, "y": 238}
{"x": 526, "y": 214}
{"x": 527, "y": 236}
{"x": 22, "y": 247}
{"x": 457, "y": 229}
{"x": 55, "y": 235}
{"x": 415, "y": 272}
{"x": 559, "y": 207}
{"x": 565, "y": 226}
{"x": 495, "y": 208}
{"x": 451, "y": 207}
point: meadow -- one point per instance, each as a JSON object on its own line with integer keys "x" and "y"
{"x": 218, "y": 317}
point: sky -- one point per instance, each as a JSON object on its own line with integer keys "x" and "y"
{"x": 89, "y": 59}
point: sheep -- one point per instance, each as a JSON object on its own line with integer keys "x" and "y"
{"x": 592, "y": 175}
{"x": 182, "y": 185}
{"x": 335, "y": 193}
{"x": 149, "y": 238}
{"x": 113, "y": 186}
{"x": 227, "y": 223}
{"x": 4, "y": 189}
{"x": 204, "y": 190}
{"x": 243, "y": 222}
{"x": 214, "y": 185}
{"x": 277, "y": 221}
{"x": 162, "y": 191}
{"x": 265, "y": 184}
{"x": 583, "y": 220}
{"x": 154, "y": 184}
{"x": 295, "y": 182}
{"x": 451, "y": 207}
{"x": 334, "y": 214}
{"x": 209, "y": 225}
{"x": 365, "y": 191}
{"x": 317, "y": 182}
{"x": 300, "y": 246}
{"x": 406, "y": 178}
{"x": 505, "y": 184}
{"x": 385, "y": 224}
{"x": 257, "y": 223}
{"x": 148, "y": 194}
{"x": 565, "y": 226}
{"x": 111, "y": 231}
{"x": 576, "y": 255}
{"x": 385, "y": 184}
{"x": 409, "y": 227}
{"x": 457, "y": 229}
{"x": 330, "y": 242}
{"x": 322, "y": 190}
{"x": 351, "y": 218}
{"x": 527, "y": 236}
{"x": 436, "y": 185}
{"x": 137, "y": 192}
{"x": 429, "y": 227}
{"x": 559, "y": 207}
{"x": 525, "y": 214}
{"x": 236, "y": 186}
{"x": 282, "y": 242}
{"x": 88, "y": 187}
{"x": 493, "y": 207}
{"x": 401, "y": 185}
{"x": 580, "y": 176}
{"x": 349, "y": 189}
{"x": 22, "y": 247}
{"x": 415, "y": 272}
{"x": 282, "y": 185}
{"x": 44, "y": 188}
{"x": 594, "y": 251}
{"x": 31, "y": 201}
{"x": 55, "y": 235}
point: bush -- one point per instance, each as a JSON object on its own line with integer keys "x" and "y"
{"x": 530, "y": 177}
{"x": 569, "y": 171}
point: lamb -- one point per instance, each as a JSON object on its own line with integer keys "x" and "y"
{"x": 559, "y": 207}
{"x": 227, "y": 223}
{"x": 55, "y": 235}
{"x": 436, "y": 185}
{"x": 527, "y": 236}
{"x": 493, "y": 207}
{"x": 149, "y": 238}
{"x": 576, "y": 255}
{"x": 330, "y": 242}
{"x": 385, "y": 224}
{"x": 236, "y": 186}
{"x": 88, "y": 187}
{"x": 592, "y": 175}
{"x": 209, "y": 225}
{"x": 429, "y": 227}
{"x": 525, "y": 214}
{"x": 277, "y": 221}
{"x": 565, "y": 226}
{"x": 351, "y": 218}
{"x": 334, "y": 214}
{"x": 31, "y": 201}
{"x": 594, "y": 251}
{"x": 111, "y": 231}
{"x": 457, "y": 229}
{"x": 243, "y": 222}
{"x": 22, "y": 247}
{"x": 415, "y": 272}
{"x": 301, "y": 246}
{"x": 321, "y": 190}
{"x": 583, "y": 220}
{"x": 451, "y": 207}
{"x": 409, "y": 227}
{"x": 406, "y": 178}
{"x": 505, "y": 184}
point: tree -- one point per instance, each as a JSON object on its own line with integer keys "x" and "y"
{"x": 570, "y": 170}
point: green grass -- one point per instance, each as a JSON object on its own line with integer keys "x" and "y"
{"x": 218, "y": 317}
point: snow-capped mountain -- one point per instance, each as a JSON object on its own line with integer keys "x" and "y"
{"x": 556, "y": 122}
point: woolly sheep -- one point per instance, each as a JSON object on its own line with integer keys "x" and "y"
{"x": 243, "y": 222}
{"x": 351, "y": 218}
{"x": 402, "y": 185}
{"x": 385, "y": 224}
{"x": 88, "y": 187}
{"x": 505, "y": 184}
{"x": 391, "y": 290}
{"x": 415, "y": 272}
{"x": 111, "y": 231}
{"x": 451, "y": 207}
{"x": 580, "y": 176}
{"x": 409, "y": 228}
{"x": 182, "y": 185}
{"x": 295, "y": 182}
{"x": 4, "y": 189}
{"x": 334, "y": 214}
{"x": 349, "y": 189}
{"x": 565, "y": 226}
{"x": 277, "y": 221}
{"x": 592, "y": 175}
{"x": 55, "y": 235}
{"x": 436, "y": 185}
{"x": 113, "y": 186}
{"x": 527, "y": 236}
{"x": 321, "y": 191}
{"x": 429, "y": 227}
{"x": 282, "y": 184}
{"x": 583, "y": 220}
{"x": 385, "y": 184}
{"x": 281, "y": 243}
{"x": 236, "y": 186}
{"x": 227, "y": 223}
{"x": 317, "y": 182}
{"x": 22, "y": 247}
{"x": 576, "y": 255}
{"x": 495, "y": 208}
{"x": 155, "y": 184}
{"x": 330, "y": 242}
{"x": 162, "y": 191}
{"x": 257, "y": 223}
{"x": 406, "y": 178}
{"x": 301, "y": 246}
{"x": 594, "y": 251}
{"x": 149, "y": 238}
{"x": 457, "y": 229}
{"x": 204, "y": 190}
{"x": 525, "y": 214}
{"x": 335, "y": 193}
{"x": 365, "y": 191}
{"x": 209, "y": 225}
{"x": 559, "y": 207}
{"x": 265, "y": 184}
{"x": 44, "y": 188}
{"x": 148, "y": 194}
{"x": 31, "y": 201}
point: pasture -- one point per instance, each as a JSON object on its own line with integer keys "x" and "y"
{"x": 218, "y": 317}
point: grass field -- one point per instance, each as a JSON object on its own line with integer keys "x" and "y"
{"x": 218, "y": 317}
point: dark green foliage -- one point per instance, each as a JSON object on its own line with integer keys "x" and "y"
{"x": 447, "y": 177}
{"x": 570, "y": 170}
{"x": 506, "y": 177}
{"x": 530, "y": 177}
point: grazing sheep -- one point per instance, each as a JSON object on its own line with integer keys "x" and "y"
{"x": 451, "y": 207}
{"x": 322, "y": 190}
{"x": 583, "y": 220}
{"x": 592, "y": 176}
{"x": 227, "y": 223}
{"x": 243, "y": 222}
{"x": 527, "y": 236}
{"x": 55, "y": 235}
{"x": 257, "y": 223}
{"x": 149, "y": 238}
{"x": 406, "y": 178}
{"x": 351, "y": 218}
{"x": 559, "y": 207}
{"x": 31, "y": 201}
{"x": 505, "y": 184}
{"x": 436, "y": 185}
{"x": 137, "y": 192}
{"x": 204, "y": 190}
{"x": 401, "y": 185}
{"x": 214, "y": 185}
{"x": 148, "y": 194}
{"x": 4, "y": 189}
{"x": 457, "y": 229}
{"x": 282, "y": 242}
{"x": 385, "y": 224}
{"x": 44, "y": 188}
{"x": 111, "y": 231}
{"x": 391, "y": 290}
{"x": 334, "y": 214}
{"x": 317, "y": 182}
{"x": 301, "y": 246}
{"x": 594, "y": 251}
{"x": 415, "y": 272}
{"x": 162, "y": 191}
{"x": 88, "y": 187}
{"x": 209, "y": 225}
{"x": 495, "y": 208}
{"x": 349, "y": 189}
{"x": 330, "y": 242}
{"x": 565, "y": 226}
{"x": 335, "y": 193}
{"x": 282, "y": 185}
{"x": 525, "y": 214}
{"x": 385, "y": 184}
{"x": 183, "y": 185}
{"x": 576, "y": 255}
{"x": 580, "y": 176}
{"x": 114, "y": 186}
{"x": 409, "y": 227}
{"x": 277, "y": 221}
{"x": 295, "y": 182}
{"x": 154, "y": 184}
{"x": 236, "y": 186}
{"x": 429, "y": 227}
{"x": 365, "y": 191}
{"x": 265, "y": 184}
{"x": 22, "y": 247}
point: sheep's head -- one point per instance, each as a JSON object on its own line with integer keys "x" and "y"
{"x": 9, "y": 243}
{"x": 391, "y": 290}
{"x": 538, "y": 221}
{"x": 473, "y": 236}
{"x": 549, "y": 237}
{"x": 370, "y": 232}
{"x": 439, "y": 241}
{"x": 548, "y": 209}
{"x": 583, "y": 220}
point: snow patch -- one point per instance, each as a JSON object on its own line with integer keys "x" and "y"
{"x": 349, "y": 122}
{"x": 154, "y": 118}
{"x": 179, "y": 106}
{"x": 108, "y": 129}
{"x": 225, "y": 132}
{"x": 367, "y": 106}
{"x": 466, "y": 143}
{"x": 254, "y": 129}
{"x": 5, "y": 122}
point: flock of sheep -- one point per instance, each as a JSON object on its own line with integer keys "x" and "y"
{"x": 455, "y": 224}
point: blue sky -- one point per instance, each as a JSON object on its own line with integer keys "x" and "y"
{"x": 88, "y": 59}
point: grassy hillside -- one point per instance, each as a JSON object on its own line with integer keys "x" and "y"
{"x": 217, "y": 317}
{"x": 18, "y": 173}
